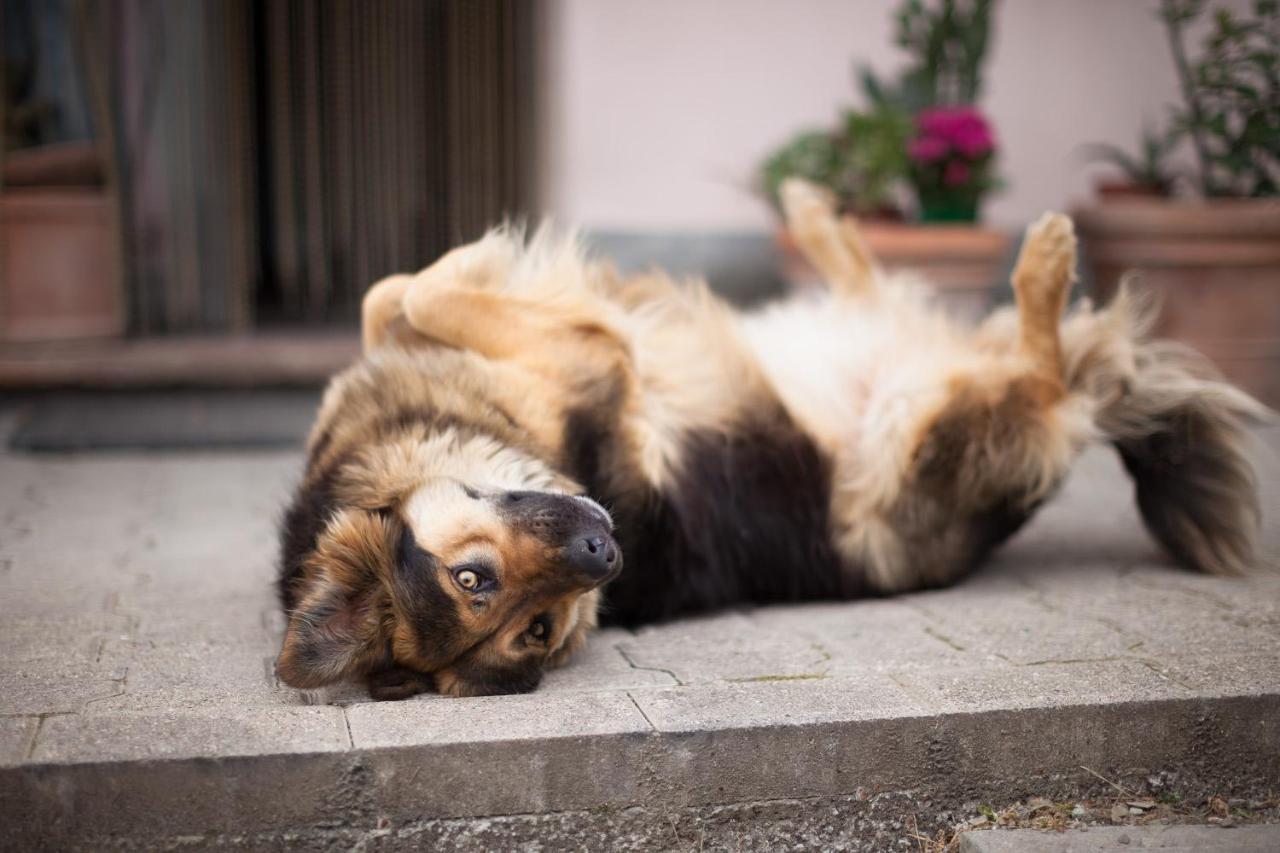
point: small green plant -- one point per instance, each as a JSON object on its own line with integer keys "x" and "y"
{"x": 862, "y": 161}
{"x": 1231, "y": 95}
{"x": 1149, "y": 169}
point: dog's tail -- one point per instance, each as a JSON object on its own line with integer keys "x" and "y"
{"x": 1181, "y": 431}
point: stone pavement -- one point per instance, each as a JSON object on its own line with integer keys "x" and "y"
{"x": 138, "y": 705}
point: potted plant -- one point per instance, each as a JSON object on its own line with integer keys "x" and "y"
{"x": 920, "y": 146}
{"x": 1213, "y": 254}
{"x": 1146, "y": 174}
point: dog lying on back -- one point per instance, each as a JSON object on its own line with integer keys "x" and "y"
{"x": 451, "y": 533}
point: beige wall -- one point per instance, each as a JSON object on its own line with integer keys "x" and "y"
{"x": 657, "y": 111}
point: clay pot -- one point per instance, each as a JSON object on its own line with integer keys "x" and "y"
{"x": 59, "y": 275}
{"x": 964, "y": 263}
{"x": 1120, "y": 189}
{"x": 1216, "y": 267}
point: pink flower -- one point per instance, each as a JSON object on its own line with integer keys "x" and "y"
{"x": 938, "y": 121}
{"x": 973, "y": 141}
{"x": 927, "y": 149}
{"x": 962, "y": 129}
{"x": 956, "y": 174}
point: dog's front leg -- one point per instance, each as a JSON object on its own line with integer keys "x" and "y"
{"x": 833, "y": 245}
{"x": 397, "y": 683}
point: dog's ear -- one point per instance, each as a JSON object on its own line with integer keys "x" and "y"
{"x": 342, "y": 623}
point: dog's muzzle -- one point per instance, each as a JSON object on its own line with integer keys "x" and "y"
{"x": 580, "y": 528}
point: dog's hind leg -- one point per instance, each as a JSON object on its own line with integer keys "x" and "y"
{"x": 504, "y": 327}
{"x": 833, "y": 245}
{"x": 998, "y": 437}
{"x": 1042, "y": 280}
{"x": 478, "y": 265}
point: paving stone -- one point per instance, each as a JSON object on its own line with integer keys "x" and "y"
{"x": 192, "y": 675}
{"x": 53, "y": 687}
{"x": 430, "y": 719}
{"x": 236, "y": 617}
{"x": 864, "y": 636}
{"x": 16, "y": 734}
{"x": 227, "y": 730}
{"x": 1122, "y": 839}
{"x": 600, "y": 665}
{"x": 1225, "y": 675}
{"x": 1040, "y": 686}
{"x": 1001, "y": 620}
{"x": 62, "y": 636}
{"x": 711, "y": 707}
{"x": 1137, "y": 606}
{"x": 724, "y": 647}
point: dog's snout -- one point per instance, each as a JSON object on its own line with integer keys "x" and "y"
{"x": 595, "y": 557}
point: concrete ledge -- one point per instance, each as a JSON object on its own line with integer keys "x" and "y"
{"x": 588, "y": 756}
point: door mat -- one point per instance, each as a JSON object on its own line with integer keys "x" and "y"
{"x": 164, "y": 420}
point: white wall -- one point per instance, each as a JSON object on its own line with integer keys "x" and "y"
{"x": 658, "y": 111}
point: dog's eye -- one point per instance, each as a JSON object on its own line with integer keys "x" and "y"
{"x": 473, "y": 577}
{"x": 538, "y": 628}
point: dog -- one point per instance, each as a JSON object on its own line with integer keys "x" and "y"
{"x": 532, "y": 442}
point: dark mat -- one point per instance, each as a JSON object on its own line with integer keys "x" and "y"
{"x": 160, "y": 420}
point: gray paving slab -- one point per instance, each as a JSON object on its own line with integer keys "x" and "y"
{"x": 860, "y": 637}
{"x": 780, "y": 702}
{"x": 16, "y": 736}
{"x": 434, "y": 719}
{"x": 603, "y": 666}
{"x": 1247, "y": 674}
{"x": 1122, "y": 839}
{"x": 56, "y": 687}
{"x": 725, "y": 647}
{"x": 1041, "y": 686}
{"x": 226, "y": 731}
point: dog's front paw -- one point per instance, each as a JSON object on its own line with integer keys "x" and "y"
{"x": 805, "y": 205}
{"x": 397, "y": 683}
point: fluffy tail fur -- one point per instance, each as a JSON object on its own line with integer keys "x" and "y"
{"x": 1181, "y": 430}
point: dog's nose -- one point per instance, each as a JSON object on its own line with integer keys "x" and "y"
{"x": 595, "y": 557}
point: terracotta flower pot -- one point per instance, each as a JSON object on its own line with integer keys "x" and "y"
{"x": 1216, "y": 267}
{"x": 59, "y": 276}
{"x": 964, "y": 263}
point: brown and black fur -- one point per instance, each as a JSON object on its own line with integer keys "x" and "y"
{"x": 853, "y": 444}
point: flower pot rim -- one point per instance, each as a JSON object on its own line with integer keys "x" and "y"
{"x": 1232, "y": 218}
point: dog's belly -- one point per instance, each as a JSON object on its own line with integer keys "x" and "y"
{"x": 745, "y": 519}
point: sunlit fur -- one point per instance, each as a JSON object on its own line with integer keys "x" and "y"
{"x": 831, "y": 445}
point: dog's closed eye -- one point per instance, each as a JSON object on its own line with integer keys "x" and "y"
{"x": 539, "y": 629}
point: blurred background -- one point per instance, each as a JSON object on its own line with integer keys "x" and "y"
{"x": 195, "y": 193}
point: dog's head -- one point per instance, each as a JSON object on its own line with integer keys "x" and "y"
{"x": 476, "y": 586}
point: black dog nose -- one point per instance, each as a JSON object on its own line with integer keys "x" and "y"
{"x": 594, "y": 556}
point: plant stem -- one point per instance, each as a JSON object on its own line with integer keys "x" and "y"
{"x": 1173, "y": 27}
